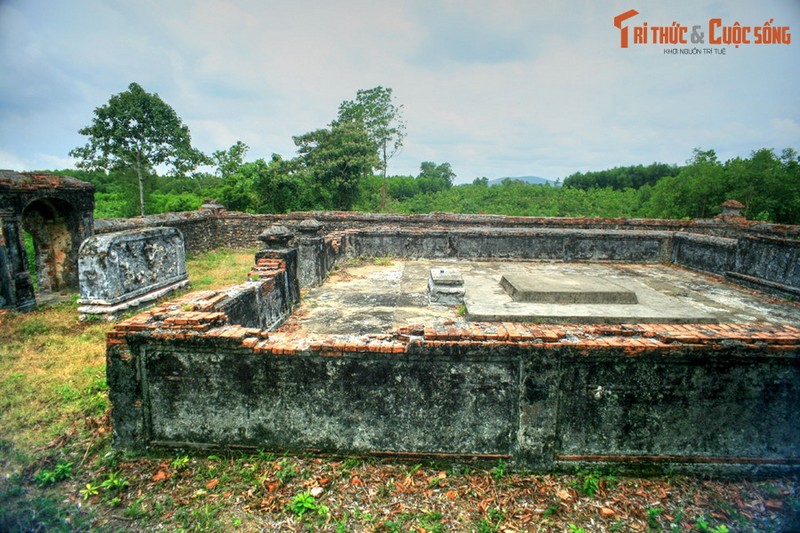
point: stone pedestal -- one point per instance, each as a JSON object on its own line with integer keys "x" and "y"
{"x": 276, "y": 240}
{"x": 311, "y": 268}
{"x": 446, "y": 286}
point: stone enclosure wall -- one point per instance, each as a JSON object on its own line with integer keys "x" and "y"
{"x": 762, "y": 256}
{"x": 210, "y": 371}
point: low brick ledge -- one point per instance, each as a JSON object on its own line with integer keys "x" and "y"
{"x": 196, "y": 316}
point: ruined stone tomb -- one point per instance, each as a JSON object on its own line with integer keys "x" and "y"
{"x": 623, "y": 357}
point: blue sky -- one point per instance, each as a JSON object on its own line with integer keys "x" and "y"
{"x": 495, "y": 88}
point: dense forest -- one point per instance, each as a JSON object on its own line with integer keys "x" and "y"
{"x": 343, "y": 166}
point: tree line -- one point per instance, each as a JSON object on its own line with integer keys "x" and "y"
{"x": 767, "y": 184}
{"x": 344, "y": 166}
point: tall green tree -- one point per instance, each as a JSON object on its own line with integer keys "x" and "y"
{"x": 137, "y": 130}
{"x": 383, "y": 122}
{"x": 336, "y": 159}
{"x": 229, "y": 161}
{"x": 279, "y": 187}
{"x": 433, "y": 177}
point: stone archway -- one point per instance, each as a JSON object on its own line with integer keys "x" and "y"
{"x": 58, "y": 213}
{"x": 48, "y": 221}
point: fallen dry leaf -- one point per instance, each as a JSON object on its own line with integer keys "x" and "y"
{"x": 607, "y": 512}
{"x": 775, "y": 505}
{"x": 160, "y": 476}
{"x": 211, "y": 484}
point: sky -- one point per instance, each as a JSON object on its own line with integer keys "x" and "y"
{"x": 494, "y": 87}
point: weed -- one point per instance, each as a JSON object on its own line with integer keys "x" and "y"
{"x": 461, "y": 310}
{"x": 352, "y": 462}
{"x": 136, "y": 510}
{"x": 772, "y": 490}
{"x": 550, "y": 511}
{"x": 591, "y": 481}
{"x": 285, "y": 471}
{"x": 304, "y": 502}
{"x": 703, "y": 526}
{"x": 652, "y": 517}
{"x": 575, "y": 529}
{"x": 341, "y": 524}
{"x": 199, "y": 519}
{"x": 179, "y": 463}
{"x": 266, "y": 456}
{"x": 91, "y": 489}
{"x": 33, "y": 327}
{"x": 114, "y": 482}
{"x": 432, "y": 522}
{"x": 413, "y": 470}
{"x": 491, "y": 522}
{"x": 46, "y": 477}
{"x": 590, "y": 484}
{"x": 499, "y": 471}
{"x": 385, "y": 260}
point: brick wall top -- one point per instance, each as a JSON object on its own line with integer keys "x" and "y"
{"x": 339, "y": 220}
{"x": 28, "y": 181}
{"x": 195, "y": 317}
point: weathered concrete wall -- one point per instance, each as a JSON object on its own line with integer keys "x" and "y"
{"x": 751, "y": 253}
{"x": 770, "y": 259}
{"x": 539, "y": 244}
{"x": 716, "y": 255}
{"x": 207, "y": 229}
{"x": 546, "y": 397}
{"x": 720, "y": 398}
{"x": 765, "y": 263}
{"x": 125, "y": 270}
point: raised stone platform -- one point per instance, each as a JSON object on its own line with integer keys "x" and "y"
{"x": 577, "y": 294}
{"x": 558, "y": 289}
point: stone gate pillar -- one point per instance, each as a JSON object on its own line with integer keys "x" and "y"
{"x": 311, "y": 270}
{"x": 276, "y": 240}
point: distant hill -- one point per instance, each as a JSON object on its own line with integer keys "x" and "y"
{"x": 533, "y": 180}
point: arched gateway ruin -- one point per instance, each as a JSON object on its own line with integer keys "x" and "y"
{"x": 579, "y": 341}
{"x": 57, "y": 212}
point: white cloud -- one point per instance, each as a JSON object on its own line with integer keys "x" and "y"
{"x": 9, "y": 161}
{"x": 507, "y": 87}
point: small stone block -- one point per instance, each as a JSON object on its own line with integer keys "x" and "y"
{"x": 446, "y": 286}
{"x": 446, "y": 276}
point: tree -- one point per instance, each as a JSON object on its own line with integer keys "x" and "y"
{"x": 336, "y": 160}
{"x": 229, "y": 161}
{"x": 139, "y": 131}
{"x": 279, "y": 188}
{"x": 382, "y": 120}
{"x": 433, "y": 177}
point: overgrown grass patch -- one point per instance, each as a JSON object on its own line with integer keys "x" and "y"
{"x": 219, "y": 268}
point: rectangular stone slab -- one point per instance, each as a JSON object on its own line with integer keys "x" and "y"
{"x": 572, "y": 289}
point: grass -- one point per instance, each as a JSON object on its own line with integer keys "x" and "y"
{"x": 53, "y": 393}
{"x": 58, "y": 471}
{"x": 219, "y": 268}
